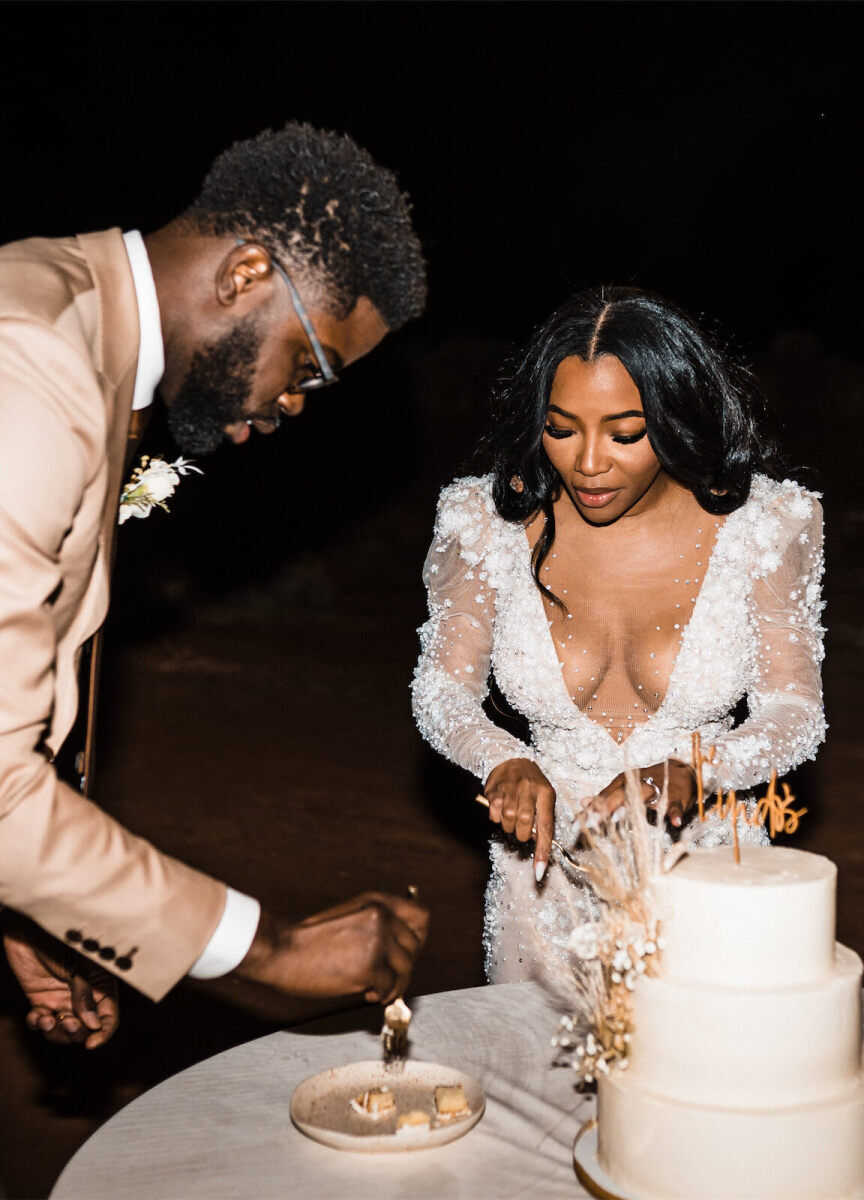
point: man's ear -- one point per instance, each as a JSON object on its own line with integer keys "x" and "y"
{"x": 243, "y": 268}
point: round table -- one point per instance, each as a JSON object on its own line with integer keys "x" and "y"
{"x": 222, "y": 1128}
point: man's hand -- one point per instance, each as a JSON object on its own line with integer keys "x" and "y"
{"x": 365, "y": 947}
{"x": 682, "y": 790}
{"x": 71, "y": 999}
{"x": 522, "y": 800}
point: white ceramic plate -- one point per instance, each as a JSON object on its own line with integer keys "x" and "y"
{"x": 321, "y": 1106}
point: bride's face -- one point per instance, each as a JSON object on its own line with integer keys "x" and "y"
{"x": 596, "y": 438}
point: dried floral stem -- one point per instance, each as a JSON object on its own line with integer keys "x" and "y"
{"x": 621, "y": 857}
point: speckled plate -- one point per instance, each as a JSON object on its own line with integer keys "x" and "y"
{"x": 321, "y": 1106}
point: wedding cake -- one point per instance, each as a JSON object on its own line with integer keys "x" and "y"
{"x": 744, "y": 1070}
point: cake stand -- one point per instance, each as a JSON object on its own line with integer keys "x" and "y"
{"x": 588, "y": 1170}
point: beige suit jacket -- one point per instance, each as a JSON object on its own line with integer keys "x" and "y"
{"x": 68, "y": 355}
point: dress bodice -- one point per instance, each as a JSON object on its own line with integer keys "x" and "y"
{"x": 749, "y": 628}
{"x": 619, "y": 597}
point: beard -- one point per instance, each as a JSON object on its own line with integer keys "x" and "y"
{"x": 215, "y": 390}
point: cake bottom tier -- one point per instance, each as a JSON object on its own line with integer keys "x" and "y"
{"x": 663, "y": 1149}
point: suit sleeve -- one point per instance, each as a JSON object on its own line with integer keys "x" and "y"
{"x": 63, "y": 861}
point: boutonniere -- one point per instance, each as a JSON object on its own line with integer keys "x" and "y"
{"x": 150, "y": 485}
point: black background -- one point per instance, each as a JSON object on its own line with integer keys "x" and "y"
{"x": 710, "y": 152}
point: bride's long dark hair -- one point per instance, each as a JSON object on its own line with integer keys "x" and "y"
{"x": 702, "y": 408}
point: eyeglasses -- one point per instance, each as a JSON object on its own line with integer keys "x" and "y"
{"x": 326, "y": 375}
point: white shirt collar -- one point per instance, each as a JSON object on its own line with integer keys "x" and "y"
{"x": 151, "y": 352}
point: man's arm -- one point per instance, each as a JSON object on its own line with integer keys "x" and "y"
{"x": 363, "y": 948}
{"x": 63, "y": 861}
{"x": 102, "y": 892}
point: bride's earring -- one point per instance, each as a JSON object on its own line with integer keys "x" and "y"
{"x": 516, "y": 483}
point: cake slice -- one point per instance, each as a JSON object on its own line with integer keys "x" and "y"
{"x": 450, "y": 1102}
{"x": 376, "y": 1103}
{"x": 414, "y": 1121}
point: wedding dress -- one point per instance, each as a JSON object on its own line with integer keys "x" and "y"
{"x": 668, "y": 621}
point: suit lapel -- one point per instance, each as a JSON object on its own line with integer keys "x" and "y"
{"x": 115, "y": 353}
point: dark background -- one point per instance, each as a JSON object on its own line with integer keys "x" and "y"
{"x": 254, "y": 713}
{"x": 710, "y": 152}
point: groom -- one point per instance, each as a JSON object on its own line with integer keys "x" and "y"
{"x": 295, "y": 260}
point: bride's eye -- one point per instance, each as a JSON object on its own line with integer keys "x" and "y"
{"x": 558, "y": 433}
{"x": 627, "y": 439}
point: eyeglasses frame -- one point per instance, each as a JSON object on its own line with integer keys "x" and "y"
{"x": 327, "y": 375}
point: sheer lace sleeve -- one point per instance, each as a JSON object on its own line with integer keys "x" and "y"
{"x": 786, "y": 723}
{"x": 451, "y": 680}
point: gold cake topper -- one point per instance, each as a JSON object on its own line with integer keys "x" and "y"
{"x": 773, "y": 810}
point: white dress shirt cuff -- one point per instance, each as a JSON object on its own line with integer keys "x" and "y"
{"x": 231, "y": 939}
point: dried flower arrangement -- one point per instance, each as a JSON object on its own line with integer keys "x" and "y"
{"x": 618, "y": 861}
{"x": 619, "y": 858}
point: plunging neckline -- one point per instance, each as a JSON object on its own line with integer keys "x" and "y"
{"x": 686, "y": 636}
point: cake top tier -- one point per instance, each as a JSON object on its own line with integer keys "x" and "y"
{"x": 760, "y": 866}
{"x": 767, "y": 921}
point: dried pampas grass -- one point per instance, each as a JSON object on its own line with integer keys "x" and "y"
{"x": 620, "y": 857}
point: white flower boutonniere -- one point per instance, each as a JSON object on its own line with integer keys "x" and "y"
{"x": 150, "y": 485}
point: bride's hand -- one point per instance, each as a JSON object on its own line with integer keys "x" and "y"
{"x": 522, "y": 801}
{"x": 682, "y": 790}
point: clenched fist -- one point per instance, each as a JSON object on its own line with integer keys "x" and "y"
{"x": 365, "y": 947}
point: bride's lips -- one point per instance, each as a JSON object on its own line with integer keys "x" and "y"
{"x": 596, "y": 497}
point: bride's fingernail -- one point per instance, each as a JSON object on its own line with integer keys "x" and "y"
{"x": 539, "y": 870}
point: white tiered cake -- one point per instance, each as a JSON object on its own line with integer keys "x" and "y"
{"x": 744, "y": 1075}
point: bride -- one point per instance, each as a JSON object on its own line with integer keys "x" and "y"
{"x": 633, "y": 566}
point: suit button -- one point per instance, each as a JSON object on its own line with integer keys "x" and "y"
{"x": 123, "y": 963}
{"x": 73, "y": 935}
{"x": 90, "y": 945}
{"x": 107, "y": 953}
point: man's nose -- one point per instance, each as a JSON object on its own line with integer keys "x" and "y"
{"x": 291, "y": 403}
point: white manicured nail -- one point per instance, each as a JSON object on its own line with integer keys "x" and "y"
{"x": 539, "y": 870}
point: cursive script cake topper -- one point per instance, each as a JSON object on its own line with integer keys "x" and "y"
{"x": 773, "y": 810}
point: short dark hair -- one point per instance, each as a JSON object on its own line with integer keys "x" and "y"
{"x": 702, "y": 408}
{"x": 319, "y": 200}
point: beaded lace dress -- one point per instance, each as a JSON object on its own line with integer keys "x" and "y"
{"x": 672, "y": 617}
